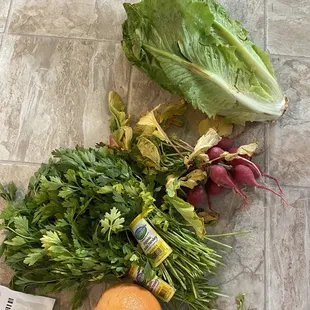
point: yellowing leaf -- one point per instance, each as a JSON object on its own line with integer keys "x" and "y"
{"x": 219, "y": 124}
{"x": 191, "y": 180}
{"x": 149, "y": 126}
{"x": 121, "y": 132}
{"x": 127, "y": 137}
{"x": 149, "y": 150}
{"x": 229, "y": 156}
{"x": 172, "y": 185}
{"x": 209, "y": 217}
{"x": 248, "y": 149}
{"x": 172, "y": 110}
{"x": 205, "y": 142}
{"x": 117, "y": 110}
{"x": 189, "y": 214}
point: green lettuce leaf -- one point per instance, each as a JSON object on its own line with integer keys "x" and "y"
{"x": 194, "y": 49}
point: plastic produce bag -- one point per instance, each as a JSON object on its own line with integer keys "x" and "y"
{"x": 12, "y": 300}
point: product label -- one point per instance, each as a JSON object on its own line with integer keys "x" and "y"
{"x": 156, "y": 286}
{"x": 149, "y": 240}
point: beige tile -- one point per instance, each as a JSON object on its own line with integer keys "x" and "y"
{"x": 288, "y": 252}
{"x": 251, "y": 14}
{"x": 244, "y": 270}
{"x": 19, "y": 174}
{"x": 54, "y": 93}
{"x": 288, "y": 27}
{"x": 95, "y": 19}
{"x": 288, "y": 137}
{"x": 145, "y": 94}
{"x": 4, "y": 9}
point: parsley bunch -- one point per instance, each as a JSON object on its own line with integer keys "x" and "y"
{"x": 71, "y": 228}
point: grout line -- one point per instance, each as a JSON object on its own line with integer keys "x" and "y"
{"x": 8, "y": 20}
{"x": 7, "y": 23}
{"x": 307, "y": 247}
{"x": 295, "y": 187}
{"x": 291, "y": 56}
{"x": 45, "y": 36}
{"x": 22, "y": 163}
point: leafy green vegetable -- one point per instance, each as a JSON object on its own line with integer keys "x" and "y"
{"x": 188, "y": 213}
{"x": 72, "y": 226}
{"x": 222, "y": 127}
{"x": 211, "y": 138}
{"x": 122, "y": 133}
{"x": 194, "y": 49}
{"x": 112, "y": 222}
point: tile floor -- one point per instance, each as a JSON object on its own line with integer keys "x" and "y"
{"x": 59, "y": 59}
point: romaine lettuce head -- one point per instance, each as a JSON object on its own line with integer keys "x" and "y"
{"x": 194, "y": 49}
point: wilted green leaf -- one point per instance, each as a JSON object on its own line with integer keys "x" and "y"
{"x": 248, "y": 149}
{"x": 211, "y": 138}
{"x": 191, "y": 179}
{"x": 189, "y": 214}
{"x": 149, "y": 150}
{"x": 218, "y": 123}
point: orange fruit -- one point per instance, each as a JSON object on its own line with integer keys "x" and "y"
{"x": 127, "y": 296}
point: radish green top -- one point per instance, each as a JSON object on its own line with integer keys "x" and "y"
{"x": 194, "y": 49}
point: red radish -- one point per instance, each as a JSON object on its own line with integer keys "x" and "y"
{"x": 213, "y": 190}
{"x": 225, "y": 144}
{"x": 215, "y": 152}
{"x": 244, "y": 176}
{"x": 233, "y": 150}
{"x": 219, "y": 176}
{"x": 197, "y": 196}
{"x": 243, "y": 161}
{"x": 256, "y": 169}
{"x": 235, "y": 162}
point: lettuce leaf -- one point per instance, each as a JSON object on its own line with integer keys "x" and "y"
{"x": 194, "y": 49}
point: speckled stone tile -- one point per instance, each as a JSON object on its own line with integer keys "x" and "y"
{"x": 19, "y": 174}
{"x": 251, "y": 14}
{"x": 288, "y": 25}
{"x": 244, "y": 270}
{"x": 288, "y": 252}
{"x": 93, "y": 19}
{"x": 54, "y": 93}
{"x": 288, "y": 137}
{"x": 4, "y": 9}
{"x": 145, "y": 94}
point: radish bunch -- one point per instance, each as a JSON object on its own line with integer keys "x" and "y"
{"x": 225, "y": 173}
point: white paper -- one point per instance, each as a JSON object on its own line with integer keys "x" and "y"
{"x": 12, "y": 300}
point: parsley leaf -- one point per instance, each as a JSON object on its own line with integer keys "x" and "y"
{"x": 112, "y": 222}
